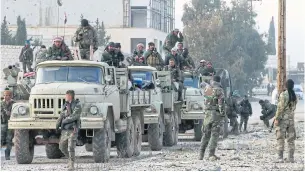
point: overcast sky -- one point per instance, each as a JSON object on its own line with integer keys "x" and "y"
{"x": 266, "y": 9}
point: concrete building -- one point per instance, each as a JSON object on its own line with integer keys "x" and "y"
{"x": 127, "y": 21}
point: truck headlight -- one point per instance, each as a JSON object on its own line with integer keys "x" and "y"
{"x": 21, "y": 110}
{"x": 93, "y": 110}
{"x": 196, "y": 106}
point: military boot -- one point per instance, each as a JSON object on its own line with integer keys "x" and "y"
{"x": 280, "y": 157}
{"x": 7, "y": 154}
{"x": 201, "y": 155}
{"x": 71, "y": 161}
{"x": 290, "y": 156}
{"x": 212, "y": 156}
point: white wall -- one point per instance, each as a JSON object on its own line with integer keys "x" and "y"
{"x": 139, "y": 2}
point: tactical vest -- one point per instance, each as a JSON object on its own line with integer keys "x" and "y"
{"x": 153, "y": 60}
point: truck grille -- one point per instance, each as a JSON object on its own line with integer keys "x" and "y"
{"x": 43, "y": 103}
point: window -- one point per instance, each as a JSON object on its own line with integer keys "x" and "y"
{"x": 69, "y": 74}
{"x": 190, "y": 81}
{"x": 142, "y": 79}
{"x": 160, "y": 47}
{"x": 139, "y": 17}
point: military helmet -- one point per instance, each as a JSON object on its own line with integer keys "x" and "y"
{"x": 117, "y": 45}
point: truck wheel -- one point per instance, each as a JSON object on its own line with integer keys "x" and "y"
{"x": 138, "y": 135}
{"x": 88, "y": 147}
{"x": 53, "y": 151}
{"x": 102, "y": 143}
{"x": 125, "y": 141}
{"x": 24, "y": 147}
{"x": 155, "y": 135}
{"x": 197, "y": 131}
{"x": 169, "y": 134}
{"x": 176, "y": 128}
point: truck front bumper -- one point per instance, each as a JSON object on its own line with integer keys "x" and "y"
{"x": 89, "y": 123}
{"x": 192, "y": 114}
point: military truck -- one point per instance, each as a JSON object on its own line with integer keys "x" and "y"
{"x": 171, "y": 107}
{"x": 192, "y": 109}
{"x": 110, "y": 111}
{"x": 227, "y": 87}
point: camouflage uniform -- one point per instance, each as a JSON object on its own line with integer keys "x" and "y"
{"x": 59, "y": 53}
{"x": 187, "y": 60}
{"x": 170, "y": 41}
{"x": 268, "y": 111}
{"x": 232, "y": 111}
{"x": 6, "y": 134}
{"x": 153, "y": 58}
{"x": 41, "y": 55}
{"x": 112, "y": 58}
{"x": 11, "y": 74}
{"x": 176, "y": 77}
{"x": 178, "y": 60}
{"x": 285, "y": 127}
{"x": 69, "y": 121}
{"x": 214, "y": 115}
{"x": 26, "y": 57}
{"x": 86, "y": 36}
{"x": 245, "y": 112}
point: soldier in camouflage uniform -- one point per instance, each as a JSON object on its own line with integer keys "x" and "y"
{"x": 69, "y": 121}
{"x": 171, "y": 39}
{"x": 245, "y": 112}
{"x": 11, "y": 74}
{"x": 110, "y": 57}
{"x": 139, "y": 52}
{"x": 174, "y": 55}
{"x": 6, "y": 134}
{"x": 200, "y": 68}
{"x": 118, "y": 51}
{"x": 232, "y": 109}
{"x": 176, "y": 76}
{"x": 152, "y": 57}
{"x": 59, "y": 50}
{"x": 268, "y": 111}
{"x": 188, "y": 62}
{"x": 284, "y": 122}
{"x": 214, "y": 114}
{"x": 86, "y": 36}
{"x": 41, "y": 54}
{"x": 26, "y": 57}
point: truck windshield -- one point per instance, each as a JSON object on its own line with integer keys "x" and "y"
{"x": 190, "y": 81}
{"x": 69, "y": 74}
{"x": 141, "y": 78}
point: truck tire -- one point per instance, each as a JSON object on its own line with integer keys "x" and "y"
{"x": 197, "y": 131}
{"x": 138, "y": 135}
{"x": 24, "y": 147}
{"x": 53, "y": 151}
{"x": 169, "y": 134}
{"x": 155, "y": 135}
{"x": 101, "y": 143}
{"x": 125, "y": 141}
{"x": 88, "y": 147}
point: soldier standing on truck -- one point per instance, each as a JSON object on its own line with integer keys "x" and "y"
{"x": 41, "y": 55}
{"x": 176, "y": 76}
{"x": 188, "y": 62}
{"x": 171, "y": 39}
{"x": 117, "y": 49}
{"x": 86, "y": 36}
{"x": 200, "y": 68}
{"x": 214, "y": 114}
{"x": 6, "y": 134}
{"x": 59, "y": 50}
{"x": 152, "y": 57}
{"x": 110, "y": 57}
{"x": 173, "y": 55}
{"x": 26, "y": 57}
{"x": 69, "y": 123}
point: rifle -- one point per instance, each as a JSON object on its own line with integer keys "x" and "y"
{"x": 270, "y": 130}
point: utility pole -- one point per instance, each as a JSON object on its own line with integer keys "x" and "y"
{"x": 281, "y": 51}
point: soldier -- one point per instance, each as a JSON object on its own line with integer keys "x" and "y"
{"x": 268, "y": 111}
{"x": 86, "y": 36}
{"x": 59, "y": 50}
{"x": 200, "y": 68}
{"x": 232, "y": 109}
{"x": 69, "y": 124}
{"x": 176, "y": 77}
{"x": 171, "y": 39}
{"x": 179, "y": 46}
{"x": 284, "y": 121}
{"x": 187, "y": 60}
{"x": 117, "y": 49}
{"x": 139, "y": 52}
{"x": 175, "y": 56}
{"x": 152, "y": 57}
{"x": 214, "y": 114}
{"x": 245, "y": 112}
{"x": 208, "y": 69}
{"x": 41, "y": 54}
{"x": 26, "y": 57}
{"x": 6, "y": 134}
{"x": 110, "y": 56}
{"x": 16, "y": 67}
